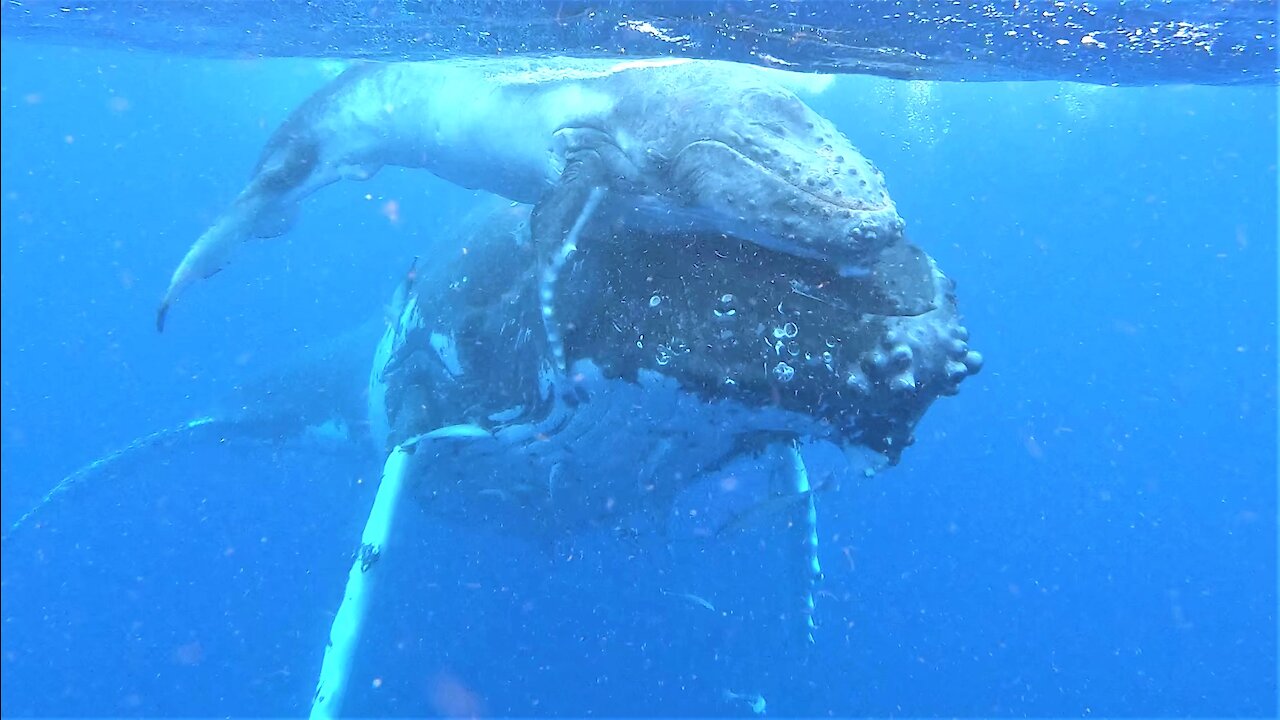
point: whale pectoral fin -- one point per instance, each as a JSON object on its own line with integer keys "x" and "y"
{"x": 555, "y": 225}
{"x": 559, "y": 207}
{"x": 289, "y": 171}
{"x": 275, "y": 221}
{"x": 899, "y": 283}
{"x": 210, "y": 252}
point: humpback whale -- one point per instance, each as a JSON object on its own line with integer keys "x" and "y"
{"x": 679, "y": 145}
{"x": 693, "y": 364}
{"x": 690, "y": 357}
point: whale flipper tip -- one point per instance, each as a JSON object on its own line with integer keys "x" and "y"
{"x": 161, "y": 312}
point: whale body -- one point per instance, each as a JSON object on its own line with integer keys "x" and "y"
{"x": 673, "y": 145}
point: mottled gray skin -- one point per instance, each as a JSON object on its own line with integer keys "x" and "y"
{"x": 695, "y": 146}
{"x": 661, "y": 372}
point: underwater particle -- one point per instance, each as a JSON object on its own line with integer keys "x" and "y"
{"x": 655, "y": 301}
{"x": 664, "y": 355}
{"x": 784, "y": 373}
{"x": 858, "y": 384}
{"x": 725, "y": 307}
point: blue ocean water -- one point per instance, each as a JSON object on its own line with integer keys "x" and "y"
{"x": 1089, "y": 528}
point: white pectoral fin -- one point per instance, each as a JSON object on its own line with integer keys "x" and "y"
{"x": 255, "y": 214}
{"x": 206, "y": 257}
{"x": 349, "y": 620}
{"x": 266, "y": 208}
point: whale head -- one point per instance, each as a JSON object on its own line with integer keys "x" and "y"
{"x": 769, "y": 169}
{"x": 696, "y": 349}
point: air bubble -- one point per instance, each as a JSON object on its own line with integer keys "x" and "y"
{"x": 725, "y": 308}
{"x": 655, "y": 301}
{"x": 783, "y": 372}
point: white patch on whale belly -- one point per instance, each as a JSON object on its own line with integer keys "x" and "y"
{"x": 499, "y": 139}
{"x": 379, "y": 426}
{"x": 447, "y": 350}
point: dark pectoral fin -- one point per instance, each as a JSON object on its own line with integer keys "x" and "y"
{"x": 562, "y": 205}
{"x": 556, "y": 224}
{"x": 900, "y": 283}
{"x": 162, "y": 312}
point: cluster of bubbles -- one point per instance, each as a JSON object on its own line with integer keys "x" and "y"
{"x": 914, "y": 102}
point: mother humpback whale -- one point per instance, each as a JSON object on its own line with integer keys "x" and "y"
{"x": 677, "y": 145}
{"x": 701, "y": 368}
{"x": 697, "y": 366}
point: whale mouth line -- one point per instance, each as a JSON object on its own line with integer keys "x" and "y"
{"x": 817, "y": 196}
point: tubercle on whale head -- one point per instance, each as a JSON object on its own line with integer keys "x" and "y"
{"x": 801, "y": 178}
{"x": 793, "y": 184}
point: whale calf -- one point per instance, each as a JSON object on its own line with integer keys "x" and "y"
{"x": 675, "y": 145}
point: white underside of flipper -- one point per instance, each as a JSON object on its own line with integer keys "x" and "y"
{"x": 348, "y": 623}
